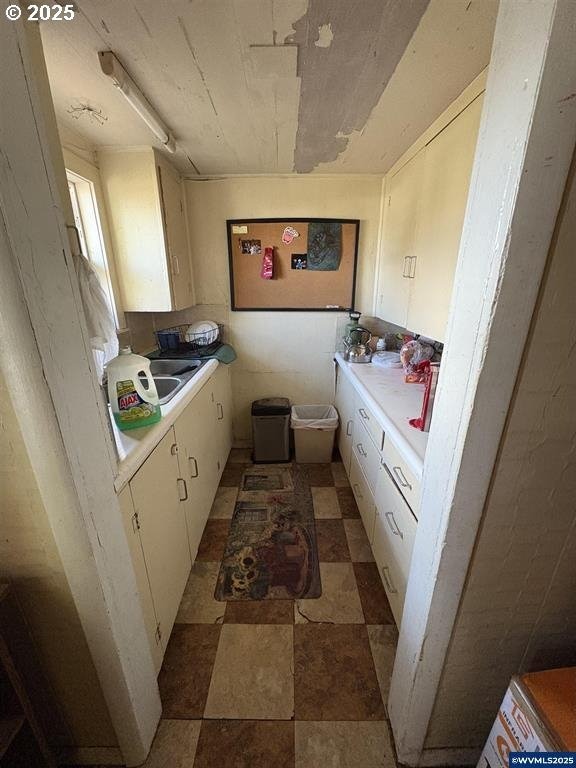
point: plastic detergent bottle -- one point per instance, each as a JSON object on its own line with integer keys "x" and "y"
{"x": 132, "y": 391}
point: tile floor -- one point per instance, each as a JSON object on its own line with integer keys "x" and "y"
{"x": 289, "y": 684}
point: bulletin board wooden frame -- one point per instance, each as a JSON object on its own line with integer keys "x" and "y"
{"x": 290, "y": 290}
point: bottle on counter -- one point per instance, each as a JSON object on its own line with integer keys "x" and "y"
{"x": 132, "y": 392}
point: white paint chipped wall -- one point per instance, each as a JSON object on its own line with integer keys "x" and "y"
{"x": 29, "y": 559}
{"x": 279, "y": 353}
{"x": 518, "y": 612}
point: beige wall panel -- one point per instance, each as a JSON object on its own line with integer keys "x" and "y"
{"x": 518, "y": 612}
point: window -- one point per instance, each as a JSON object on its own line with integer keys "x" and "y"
{"x": 87, "y": 220}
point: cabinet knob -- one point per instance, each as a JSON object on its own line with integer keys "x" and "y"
{"x": 174, "y": 449}
{"x": 182, "y": 489}
{"x": 388, "y": 580}
{"x": 194, "y": 473}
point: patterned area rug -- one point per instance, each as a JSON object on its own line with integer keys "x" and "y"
{"x": 271, "y": 553}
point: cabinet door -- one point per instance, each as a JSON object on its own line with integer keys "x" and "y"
{"x": 156, "y": 491}
{"x": 345, "y": 395}
{"x": 131, "y": 526}
{"x": 176, "y": 237}
{"x": 222, "y": 390}
{"x": 445, "y": 183}
{"x": 195, "y": 431}
{"x": 402, "y": 199}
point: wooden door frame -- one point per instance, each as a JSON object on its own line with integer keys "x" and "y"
{"x": 525, "y": 146}
{"x": 48, "y": 365}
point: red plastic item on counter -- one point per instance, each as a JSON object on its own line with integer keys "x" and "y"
{"x": 430, "y": 371}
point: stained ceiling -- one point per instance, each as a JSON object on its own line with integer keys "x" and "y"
{"x": 268, "y": 86}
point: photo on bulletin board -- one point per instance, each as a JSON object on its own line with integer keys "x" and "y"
{"x": 310, "y": 264}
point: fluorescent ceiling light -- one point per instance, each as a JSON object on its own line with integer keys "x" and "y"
{"x": 112, "y": 67}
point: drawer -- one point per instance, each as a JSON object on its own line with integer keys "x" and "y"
{"x": 363, "y": 414}
{"x": 395, "y": 521}
{"x": 366, "y": 453}
{"x": 389, "y": 569}
{"x": 363, "y": 496}
{"x": 405, "y": 479}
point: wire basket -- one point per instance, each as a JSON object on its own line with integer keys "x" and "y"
{"x": 180, "y": 338}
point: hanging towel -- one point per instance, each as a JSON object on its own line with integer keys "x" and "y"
{"x": 99, "y": 317}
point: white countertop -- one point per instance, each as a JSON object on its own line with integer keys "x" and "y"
{"x": 393, "y": 402}
{"x": 135, "y": 445}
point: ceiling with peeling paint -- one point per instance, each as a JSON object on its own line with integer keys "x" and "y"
{"x": 268, "y": 86}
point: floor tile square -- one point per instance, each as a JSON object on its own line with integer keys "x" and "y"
{"x": 259, "y": 612}
{"x": 223, "y": 504}
{"x": 252, "y": 677}
{"x": 372, "y": 594}
{"x": 232, "y": 474}
{"x": 240, "y": 456}
{"x": 334, "y": 675}
{"x": 325, "y": 503}
{"x": 360, "y": 549}
{"x": 213, "y": 541}
{"x": 174, "y": 745}
{"x": 245, "y": 744}
{"x": 318, "y": 475}
{"x": 198, "y": 605}
{"x": 347, "y": 502}
{"x": 343, "y": 744}
{"x": 383, "y": 642}
{"x": 339, "y": 602}
{"x": 339, "y": 475}
{"x": 332, "y": 541}
{"x": 185, "y": 675}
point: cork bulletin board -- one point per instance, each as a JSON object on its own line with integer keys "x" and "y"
{"x": 314, "y": 271}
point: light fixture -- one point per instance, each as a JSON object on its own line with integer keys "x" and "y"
{"x": 112, "y": 67}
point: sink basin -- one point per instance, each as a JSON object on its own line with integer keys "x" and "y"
{"x": 173, "y": 367}
{"x": 167, "y": 386}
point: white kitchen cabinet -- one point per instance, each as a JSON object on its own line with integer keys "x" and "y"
{"x": 198, "y": 450}
{"x": 424, "y": 211}
{"x": 401, "y": 211}
{"x": 147, "y": 216}
{"x": 222, "y": 392}
{"x": 363, "y": 496}
{"x": 444, "y": 193}
{"x": 158, "y": 492}
{"x": 130, "y": 521}
{"x": 345, "y": 399}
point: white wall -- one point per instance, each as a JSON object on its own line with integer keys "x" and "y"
{"x": 518, "y": 610}
{"x": 279, "y": 353}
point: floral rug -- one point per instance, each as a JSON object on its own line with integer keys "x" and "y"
{"x": 271, "y": 553}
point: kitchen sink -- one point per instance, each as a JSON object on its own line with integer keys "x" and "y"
{"x": 174, "y": 367}
{"x": 168, "y": 386}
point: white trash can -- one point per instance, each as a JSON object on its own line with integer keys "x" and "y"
{"x": 314, "y": 429}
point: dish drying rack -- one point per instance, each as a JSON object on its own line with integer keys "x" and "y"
{"x": 178, "y": 339}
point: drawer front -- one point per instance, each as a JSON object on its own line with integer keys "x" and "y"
{"x": 406, "y": 480}
{"x": 391, "y": 575}
{"x": 395, "y": 521}
{"x": 365, "y": 416}
{"x": 363, "y": 496}
{"x": 366, "y": 453}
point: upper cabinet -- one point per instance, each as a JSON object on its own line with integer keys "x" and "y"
{"x": 147, "y": 215}
{"x": 424, "y": 212}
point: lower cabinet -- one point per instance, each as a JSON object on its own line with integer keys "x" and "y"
{"x": 157, "y": 494}
{"x": 167, "y": 502}
{"x": 198, "y": 459}
{"x": 386, "y": 490}
{"x": 345, "y": 399}
{"x": 394, "y": 534}
{"x": 143, "y": 585}
{"x": 222, "y": 399}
